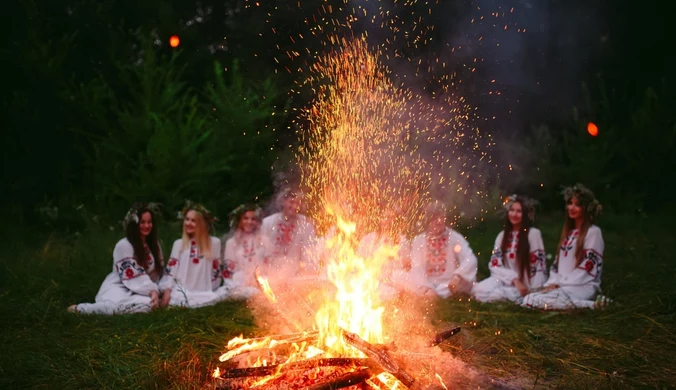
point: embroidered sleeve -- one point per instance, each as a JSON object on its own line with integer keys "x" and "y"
{"x": 229, "y": 264}
{"x": 131, "y": 274}
{"x": 538, "y": 260}
{"x": 216, "y": 269}
{"x": 171, "y": 270}
{"x": 497, "y": 266}
{"x": 592, "y": 263}
{"x": 589, "y": 270}
{"x": 468, "y": 263}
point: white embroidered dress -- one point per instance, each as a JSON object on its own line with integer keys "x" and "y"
{"x": 243, "y": 254}
{"x": 435, "y": 260}
{"x": 127, "y": 288}
{"x": 504, "y": 268}
{"x": 194, "y": 279}
{"x": 395, "y": 270}
{"x": 293, "y": 242}
{"x": 578, "y": 285}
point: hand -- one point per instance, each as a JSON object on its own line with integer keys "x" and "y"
{"x": 551, "y": 287}
{"x": 166, "y": 297}
{"x": 455, "y": 284}
{"x": 154, "y": 300}
{"x": 407, "y": 265}
{"x": 523, "y": 290}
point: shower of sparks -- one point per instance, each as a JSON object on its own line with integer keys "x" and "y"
{"x": 359, "y": 157}
{"x": 375, "y": 89}
{"x": 370, "y": 146}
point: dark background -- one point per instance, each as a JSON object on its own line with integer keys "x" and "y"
{"x": 101, "y": 111}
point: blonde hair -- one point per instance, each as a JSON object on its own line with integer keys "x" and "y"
{"x": 201, "y": 237}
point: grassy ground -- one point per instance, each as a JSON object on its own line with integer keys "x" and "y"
{"x": 626, "y": 346}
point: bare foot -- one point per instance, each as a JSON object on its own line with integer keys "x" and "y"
{"x": 72, "y": 308}
{"x": 166, "y": 297}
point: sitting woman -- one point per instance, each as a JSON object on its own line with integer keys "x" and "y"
{"x": 292, "y": 235}
{"x": 137, "y": 266}
{"x": 575, "y": 275}
{"x": 392, "y": 250}
{"x": 442, "y": 261}
{"x": 193, "y": 273}
{"x": 517, "y": 266}
{"x": 247, "y": 250}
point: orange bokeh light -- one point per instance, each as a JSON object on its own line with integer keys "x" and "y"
{"x": 174, "y": 41}
{"x": 592, "y": 129}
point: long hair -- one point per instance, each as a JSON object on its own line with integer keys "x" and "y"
{"x": 523, "y": 247}
{"x": 201, "y": 237}
{"x": 591, "y": 208}
{"x": 133, "y": 234}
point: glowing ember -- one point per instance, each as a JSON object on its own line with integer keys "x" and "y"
{"x": 174, "y": 41}
{"x": 592, "y": 129}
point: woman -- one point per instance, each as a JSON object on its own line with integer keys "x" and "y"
{"x": 575, "y": 275}
{"x": 392, "y": 250}
{"x": 193, "y": 273}
{"x": 442, "y": 261}
{"x": 137, "y": 266}
{"x": 292, "y": 235}
{"x": 517, "y": 265}
{"x": 246, "y": 251}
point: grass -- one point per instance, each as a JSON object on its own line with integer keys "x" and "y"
{"x": 625, "y": 346}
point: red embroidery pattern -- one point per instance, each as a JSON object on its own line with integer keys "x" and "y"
{"x": 569, "y": 244}
{"x": 248, "y": 249}
{"x": 195, "y": 252}
{"x": 285, "y": 233}
{"x": 437, "y": 248}
{"x": 592, "y": 264}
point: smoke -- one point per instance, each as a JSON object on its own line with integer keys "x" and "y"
{"x": 534, "y": 53}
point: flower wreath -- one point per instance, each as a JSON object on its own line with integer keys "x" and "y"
{"x": 235, "y": 215}
{"x": 204, "y": 212}
{"x": 585, "y": 197}
{"x": 527, "y": 203}
{"x": 132, "y": 215}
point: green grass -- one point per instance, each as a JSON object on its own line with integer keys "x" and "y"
{"x": 626, "y": 346}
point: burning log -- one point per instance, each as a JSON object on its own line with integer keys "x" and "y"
{"x": 346, "y": 380}
{"x": 381, "y": 357}
{"x": 279, "y": 339}
{"x": 443, "y": 336}
{"x": 300, "y": 365}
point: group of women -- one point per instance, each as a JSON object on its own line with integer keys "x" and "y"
{"x": 438, "y": 262}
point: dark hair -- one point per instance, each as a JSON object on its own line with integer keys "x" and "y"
{"x": 133, "y": 234}
{"x": 523, "y": 248}
{"x": 591, "y": 208}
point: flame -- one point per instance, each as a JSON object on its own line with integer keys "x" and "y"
{"x": 359, "y": 163}
{"x": 440, "y": 381}
{"x": 356, "y": 306}
{"x": 265, "y": 285}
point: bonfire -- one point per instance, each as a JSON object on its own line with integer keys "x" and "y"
{"x": 358, "y": 157}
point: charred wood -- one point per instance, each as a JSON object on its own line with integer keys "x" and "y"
{"x": 300, "y": 365}
{"x": 346, "y": 380}
{"x": 443, "y": 336}
{"x": 381, "y": 357}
